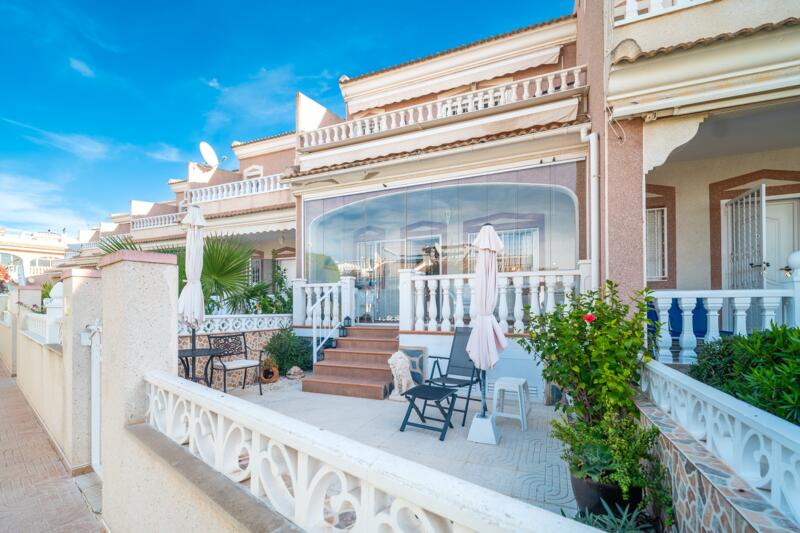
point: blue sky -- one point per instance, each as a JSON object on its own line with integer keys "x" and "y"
{"x": 103, "y": 102}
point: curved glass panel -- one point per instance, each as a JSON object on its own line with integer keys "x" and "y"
{"x": 430, "y": 228}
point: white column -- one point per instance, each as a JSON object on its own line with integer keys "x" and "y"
{"x": 740, "y": 307}
{"x": 433, "y": 285}
{"x": 459, "y": 311}
{"x": 502, "y": 306}
{"x": 317, "y": 318}
{"x": 445, "y": 326}
{"x": 518, "y": 312}
{"x": 535, "y": 294}
{"x": 309, "y": 303}
{"x": 713, "y": 305}
{"x": 687, "y": 339}
{"x": 569, "y": 287}
{"x": 419, "y": 309}
{"x": 348, "y": 286}
{"x": 550, "y": 302}
{"x": 406, "y": 304}
{"x": 298, "y": 302}
{"x": 769, "y": 304}
{"x": 335, "y": 305}
{"x": 664, "y": 338}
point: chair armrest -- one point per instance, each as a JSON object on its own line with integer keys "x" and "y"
{"x": 436, "y": 368}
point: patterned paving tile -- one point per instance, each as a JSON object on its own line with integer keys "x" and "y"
{"x": 36, "y": 493}
{"x": 525, "y": 465}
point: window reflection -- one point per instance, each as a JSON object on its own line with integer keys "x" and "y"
{"x": 429, "y": 228}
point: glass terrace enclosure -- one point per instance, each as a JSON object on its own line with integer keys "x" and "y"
{"x": 430, "y": 228}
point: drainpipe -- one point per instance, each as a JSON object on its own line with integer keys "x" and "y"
{"x": 594, "y": 195}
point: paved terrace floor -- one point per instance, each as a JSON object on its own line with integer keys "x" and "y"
{"x": 526, "y": 466}
{"x": 36, "y": 493}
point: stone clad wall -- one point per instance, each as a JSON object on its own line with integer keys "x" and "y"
{"x": 255, "y": 343}
{"x": 707, "y": 494}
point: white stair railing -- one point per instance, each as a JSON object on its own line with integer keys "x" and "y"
{"x": 471, "y": 102}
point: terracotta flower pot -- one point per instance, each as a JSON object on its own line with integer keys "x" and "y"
{"x": 269, "y": 375}
{"x": 590, "y": 494}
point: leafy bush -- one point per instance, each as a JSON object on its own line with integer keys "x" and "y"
{"x": 47, "y": 286}
{"x": 762, "y": 369}
{"x": 591, "y": 350}
{"x": 289, "y": 350}
{"x": 264, "y": 298}
{"x": 622, "y": 521}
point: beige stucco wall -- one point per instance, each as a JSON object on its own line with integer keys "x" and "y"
{"x": 691, "y": 180}
{"x": 6, "y": 346}
{"x": 272, "y": 163}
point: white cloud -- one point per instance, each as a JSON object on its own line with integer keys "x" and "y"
{"x": 266, "y": 99}
{"x": 81, "y": 68}
{"x": 165, "y": 152}
{"x": 83, "y": 146}
{"x": 36, "y": 205}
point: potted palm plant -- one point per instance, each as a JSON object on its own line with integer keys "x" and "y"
{"x": 592, "y": 348}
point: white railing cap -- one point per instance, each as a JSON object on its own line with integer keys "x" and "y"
{"x": 723, "y": 293}
{"x": 775, "y": 427}
{"x": 443, "y": 494}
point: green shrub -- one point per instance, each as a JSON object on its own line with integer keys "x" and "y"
{"x": 289, "y": 350}
{"x": 47, "y": 286}
{"x": 762, "y": 369}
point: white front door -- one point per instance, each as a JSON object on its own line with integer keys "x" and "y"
{"x": 781, "y": 235}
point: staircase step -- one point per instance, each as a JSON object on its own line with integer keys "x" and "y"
{"x": 366, "y": 343}
{"x": 354, "y": 369}
{"x": 346, "y": 386}
{"x": 373, "y": 332}
{"x": 349, "y": 354}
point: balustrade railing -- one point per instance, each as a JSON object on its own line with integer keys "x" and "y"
{"x": 313, "y": 478}
{"x": 761, "y": 448}
{"x": 156, "y": 221}
{"x": 235, "y": 189}
{"x": 36, "y": 324}
{"x": 238, "y": 323}
{"x": 471, "y": 102}
{"x": 737, "y": 311}
{"x": 437, "y": 303}
{"x": 627, "y": 11}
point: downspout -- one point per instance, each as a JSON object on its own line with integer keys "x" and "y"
{"x": 594, "y": 198}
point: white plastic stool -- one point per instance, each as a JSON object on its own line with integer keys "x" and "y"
{"x": 519, "y": 386}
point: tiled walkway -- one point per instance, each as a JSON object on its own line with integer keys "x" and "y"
{"x": 525, "y": 465}
{"x": 36, "y": 493}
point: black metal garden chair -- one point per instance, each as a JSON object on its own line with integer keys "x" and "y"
{"x": 460, "y": 371}
{"x": 233, "y": 345}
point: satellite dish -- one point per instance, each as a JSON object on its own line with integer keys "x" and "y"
{"x": 209, "y": 155}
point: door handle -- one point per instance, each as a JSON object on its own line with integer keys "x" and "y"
{"x": 762, "y": 266}
{"x": 787, "y": 271}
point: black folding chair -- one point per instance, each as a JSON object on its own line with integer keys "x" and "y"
{"x": 233, "y": 345}
{"x": 460, "y": 372}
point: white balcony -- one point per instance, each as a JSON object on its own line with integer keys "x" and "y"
{"x": 236, "y": 189}
{"x": 429, "y": 114}
{"x": 628, "y": 11}
{"x": 156, "y": 221}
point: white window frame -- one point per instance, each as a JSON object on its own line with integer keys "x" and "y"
{"x": 664, "y": 252}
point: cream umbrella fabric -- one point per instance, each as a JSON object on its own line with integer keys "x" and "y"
{"x": 191, "y": 304}
{"x": 486, "y": 340}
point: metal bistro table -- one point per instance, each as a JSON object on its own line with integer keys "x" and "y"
{"x": 191, "y": 370}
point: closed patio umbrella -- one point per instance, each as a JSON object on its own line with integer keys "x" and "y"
{"x": 486, "y": 340}
{"x": 191, "y": 304}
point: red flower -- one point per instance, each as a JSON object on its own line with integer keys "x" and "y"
{"x": 589, "y": 318}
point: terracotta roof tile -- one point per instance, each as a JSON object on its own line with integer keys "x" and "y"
{"x": 706, "y": 41}
{"x": 441, "y": 147}
{"x": 268, "y": 137}
{"x": 479, "y": 42}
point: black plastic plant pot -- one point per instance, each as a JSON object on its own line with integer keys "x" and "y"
{"x": 590, "y": 496}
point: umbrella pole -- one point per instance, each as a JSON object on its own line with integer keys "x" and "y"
{"x": 194, "y": 359}
{"x": 483, "y": 393}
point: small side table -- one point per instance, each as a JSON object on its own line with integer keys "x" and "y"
{"x": 436, "y": 395}
{"x": 518, "y": 386}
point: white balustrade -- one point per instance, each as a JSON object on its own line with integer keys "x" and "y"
{"x": 238, "y": 323}
{"x": 236, "y": 189}
{"x": 323, "y": 307}
{"x": 761, "y": 448}
{"x": 628, "y": 11}
{"x": 311, "y": 477}
{"x": 471, "y": 102}
{"x": 765, "y": 303}
{"x": 156, "y": 221}
{"x": 36, "y": 325}
{"x": 426, "y": 300}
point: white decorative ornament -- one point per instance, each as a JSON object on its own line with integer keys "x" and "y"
{"x": 401, "y": 374}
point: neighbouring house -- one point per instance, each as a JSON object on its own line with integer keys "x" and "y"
{"x": 31, "y": 253}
